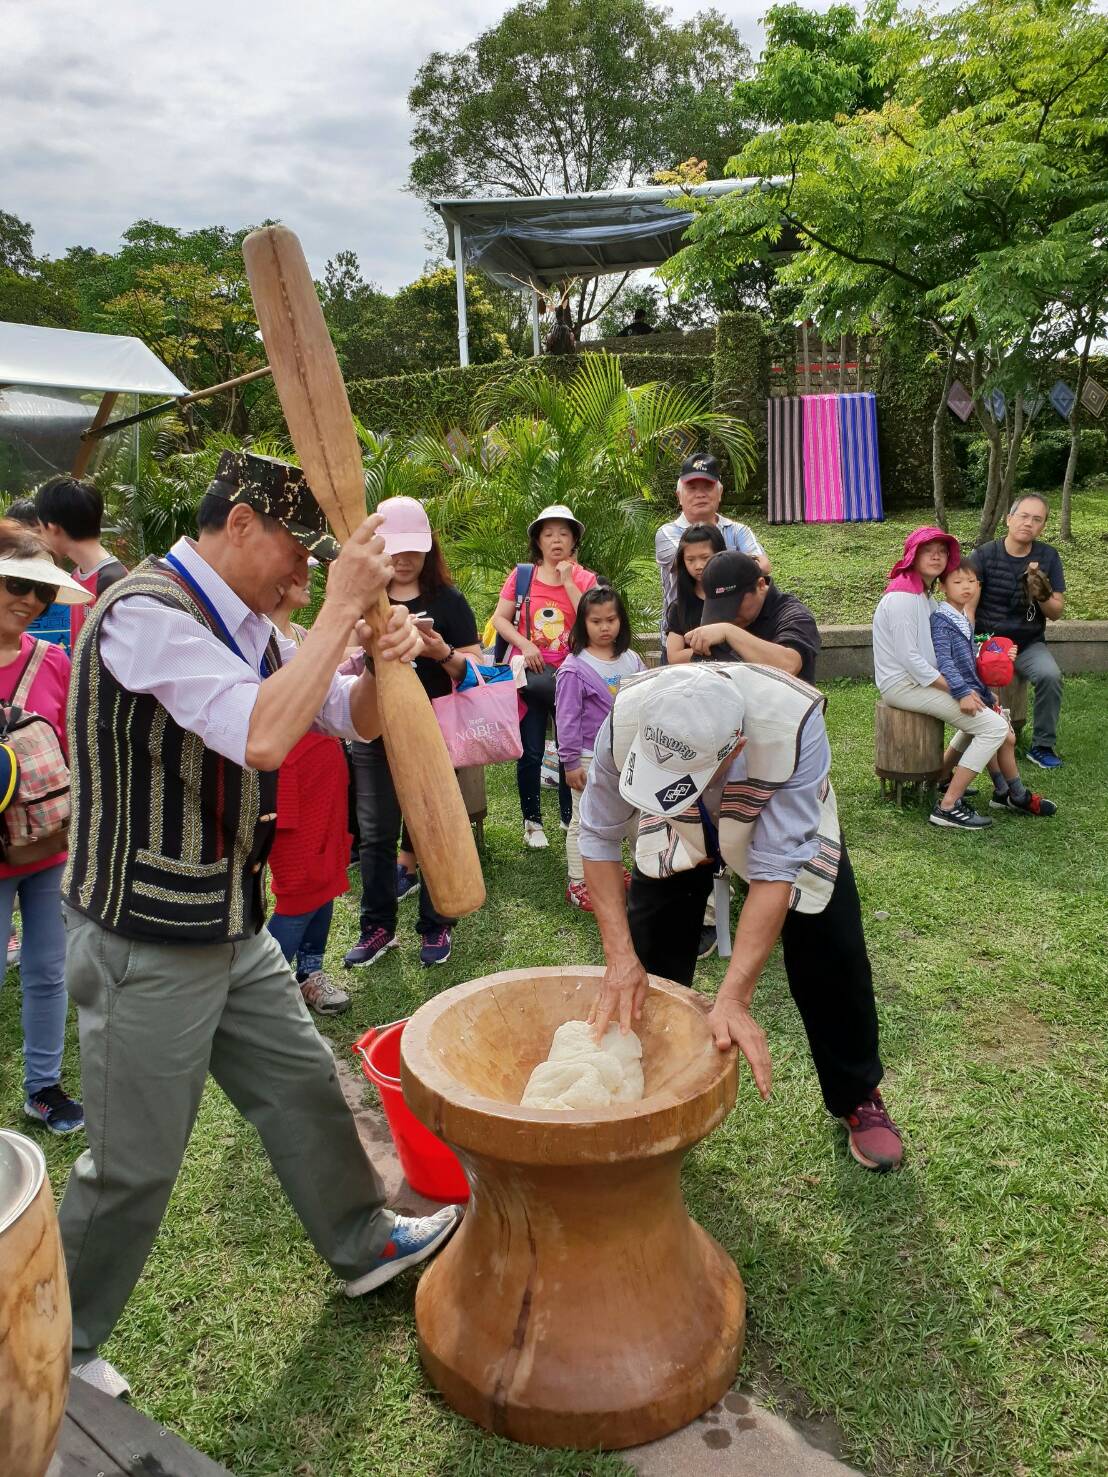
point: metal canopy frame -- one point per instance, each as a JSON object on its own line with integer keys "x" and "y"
{"x": 532, "y": 242}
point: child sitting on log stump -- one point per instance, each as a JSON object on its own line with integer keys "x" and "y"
{"x": 955, "y": 657}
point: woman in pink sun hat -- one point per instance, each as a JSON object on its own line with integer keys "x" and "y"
{"x": 421, "y": 581}
{"x": 908, "y": 677}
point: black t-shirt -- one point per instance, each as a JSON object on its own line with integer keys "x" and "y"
{"x": 674, "y": 623}
{"x": 455, "y": 623}
{"x": 786, "y": 621}
{"x": 1003, "y": 610}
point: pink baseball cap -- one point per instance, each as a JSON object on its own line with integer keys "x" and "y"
{"x": 405, "y": 529}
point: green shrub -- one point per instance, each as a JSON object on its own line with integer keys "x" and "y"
{"x": 1044, "y": 455}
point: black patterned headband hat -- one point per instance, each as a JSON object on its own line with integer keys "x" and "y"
{"x": 279, "y": 491}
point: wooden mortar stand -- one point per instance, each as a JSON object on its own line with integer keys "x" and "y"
{"x": 578, "y": 1304}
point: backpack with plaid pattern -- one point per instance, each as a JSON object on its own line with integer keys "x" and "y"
{"x": 34, "y": 823}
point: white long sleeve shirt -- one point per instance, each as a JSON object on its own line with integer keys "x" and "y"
{"x": 203, "y": 686}
{"x": 902, "y": 645}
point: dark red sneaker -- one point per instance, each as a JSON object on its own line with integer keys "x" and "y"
{"x": 874, "y": 1137}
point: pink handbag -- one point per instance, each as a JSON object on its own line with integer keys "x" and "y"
{"x": 480, "y": 725}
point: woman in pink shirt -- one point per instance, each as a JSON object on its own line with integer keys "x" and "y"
{"x": 538, "y": 626}
{"x": 29, "y": 584}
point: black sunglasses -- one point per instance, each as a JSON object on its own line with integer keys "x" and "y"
{"x": 44, "y": 594}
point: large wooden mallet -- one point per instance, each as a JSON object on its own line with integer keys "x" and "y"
{"x": 313, "y": 397}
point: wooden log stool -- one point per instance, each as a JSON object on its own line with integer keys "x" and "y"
{"x": 908, "y": 749}
{"x": 471, "y": 782}
{"x": 1014, "y": 698}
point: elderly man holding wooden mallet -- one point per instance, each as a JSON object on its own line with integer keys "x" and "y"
{"x": 185, "y": 700}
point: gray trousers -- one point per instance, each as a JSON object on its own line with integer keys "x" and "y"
{"x": 1037, "y": 666}
{"x": 154, "y": 1020}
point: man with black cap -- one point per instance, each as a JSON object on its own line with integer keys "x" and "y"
{"x": 726, "y": 765}
{"x": 185, "y": 700}
{"x": 747, "y": 618}
{"x": 699, "y": 491}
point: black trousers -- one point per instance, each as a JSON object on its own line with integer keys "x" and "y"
{"x": 379, "y": 824}
{"x": 825, "y": 960}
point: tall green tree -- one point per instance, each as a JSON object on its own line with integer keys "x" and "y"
{"x": 563, "y": 96}
{"x": 32, "y": 289}
{"x": 816, "y": 64}
{"x": 972, "y": 200}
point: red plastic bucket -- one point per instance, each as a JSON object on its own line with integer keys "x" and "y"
{"x": 430, "y": 1167}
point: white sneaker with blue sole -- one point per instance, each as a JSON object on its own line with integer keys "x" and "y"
{"x": 413, "y": 1240}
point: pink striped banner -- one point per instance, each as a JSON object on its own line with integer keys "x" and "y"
{"x": 823, "y": 482}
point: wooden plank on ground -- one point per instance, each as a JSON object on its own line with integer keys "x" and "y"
{"x": 121, "y": 1440}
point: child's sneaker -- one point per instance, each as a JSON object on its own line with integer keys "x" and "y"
{"x": 961, "y": 817}
{"x": 436, "y": 947}
{"x": 370, "y": 947}
{"x": 413, "y": 1240}
{"x": 577, "y": 893}
{"x": 406, "y": 882}
{"x": 534, "y": 836}
{"x": 322, "y": 996}
{"x": 13, "y": 948}
{"x": 1031, "y": 805}
{"x": 56, "y": 1109}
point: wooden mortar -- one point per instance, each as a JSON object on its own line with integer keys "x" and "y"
{"x": 578, "y": 1304}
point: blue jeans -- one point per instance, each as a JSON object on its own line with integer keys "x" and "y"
{"x": 303, "y": 937}
{"x": 41, "y": 971}
{"x": 532, "y": 735}
{"x": 379, "y": 825}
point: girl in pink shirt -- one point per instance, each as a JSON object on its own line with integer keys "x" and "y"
{"x": 540, "y": 629}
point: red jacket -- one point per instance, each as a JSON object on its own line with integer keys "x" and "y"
{"x": 311, "y": 850}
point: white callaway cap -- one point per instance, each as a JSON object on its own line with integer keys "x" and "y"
{"x": 690, "y": 720}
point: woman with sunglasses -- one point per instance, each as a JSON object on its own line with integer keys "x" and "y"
{"x": 30, "y": 583}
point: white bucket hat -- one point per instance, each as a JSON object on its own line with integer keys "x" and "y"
{"x": 46, "y": 572}
{"x": 556, "y": 510}
{"x": 690, "y": 719}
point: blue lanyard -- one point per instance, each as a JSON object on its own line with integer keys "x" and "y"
{"x": 217, "y": 620}
{"x": 711, "y": 835}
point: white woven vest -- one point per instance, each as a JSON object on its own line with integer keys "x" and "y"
{"x": 777, "y": 708}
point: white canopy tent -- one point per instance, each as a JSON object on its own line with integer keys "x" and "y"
{"x": 532, "y": 242}
{"x": 50, "y": 430}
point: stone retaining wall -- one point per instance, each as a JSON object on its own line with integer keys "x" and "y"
{"x": 1077, "y": 646}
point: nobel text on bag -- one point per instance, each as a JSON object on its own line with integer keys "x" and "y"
{"x": 481, "y": 724}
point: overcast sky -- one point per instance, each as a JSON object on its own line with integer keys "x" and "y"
{"x": 224, "y": 112}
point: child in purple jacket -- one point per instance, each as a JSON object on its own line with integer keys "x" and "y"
{"x": 585, "y": 689}
{"x": 956, "y": 659}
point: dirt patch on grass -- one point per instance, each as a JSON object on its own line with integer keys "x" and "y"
{"x": 1014, "y": 1039}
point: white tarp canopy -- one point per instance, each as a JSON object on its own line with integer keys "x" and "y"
{"x": 59, "y": 358}
{"x": 534, "y": 241}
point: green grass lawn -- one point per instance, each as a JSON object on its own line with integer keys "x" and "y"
{"x": 951, "y": 1318}
{"x": 839, "y": 569}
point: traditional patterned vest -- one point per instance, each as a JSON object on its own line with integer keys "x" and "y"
{"x": 777, "y": 708}
{"x": 168, "y": 839}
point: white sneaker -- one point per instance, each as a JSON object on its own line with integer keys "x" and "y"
{"x": 534, "y": 836}
{"x": 102, "y": 1376}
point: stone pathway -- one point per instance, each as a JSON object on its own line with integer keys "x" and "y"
{"x": 736, "y": 1438}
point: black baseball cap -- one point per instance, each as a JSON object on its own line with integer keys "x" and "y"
{"x": 699, "y": 466}
{"x": 726, "y": 579}
{"x": 279, "y": 491}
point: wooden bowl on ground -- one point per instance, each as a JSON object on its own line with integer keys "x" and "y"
{"x": 578, "y": 1304}
{"x": 35, "y": 1330}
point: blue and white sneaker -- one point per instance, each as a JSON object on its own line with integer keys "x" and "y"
{"x": 436, "y": 947}
{"x": 406, "y": 882}
{"x": 1044, "y": 758}
{"x": 413, "y": 1240}
{"x": 53, "y": 1107}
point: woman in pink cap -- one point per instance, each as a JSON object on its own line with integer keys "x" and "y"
{"x": 908, "y": 677}
{"x": 421, "y": 581}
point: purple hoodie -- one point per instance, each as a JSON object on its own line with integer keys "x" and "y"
{"x": 582, "y": 701}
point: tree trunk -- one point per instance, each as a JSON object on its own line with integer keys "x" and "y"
{"x": 938, "y": 470}
{"x": 1065, "y": 532}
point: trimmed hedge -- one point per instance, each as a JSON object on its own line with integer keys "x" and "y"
{"x": 405, "y": 403}
{"x": 741, "y": 387}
